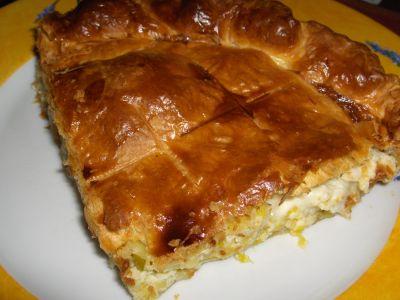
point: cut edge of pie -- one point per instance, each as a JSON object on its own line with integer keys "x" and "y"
{"x": 195, "y": 130}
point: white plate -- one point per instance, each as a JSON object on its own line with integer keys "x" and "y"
{"x": 45, "y": 245}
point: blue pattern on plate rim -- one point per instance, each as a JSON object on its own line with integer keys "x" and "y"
{"x": 392, "y": 55}
{"x": 47, "y": 10}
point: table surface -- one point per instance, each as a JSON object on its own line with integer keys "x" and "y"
{"x": 17, "y": 36}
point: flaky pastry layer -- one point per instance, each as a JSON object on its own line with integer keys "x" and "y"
{"x": 195, "y": 129}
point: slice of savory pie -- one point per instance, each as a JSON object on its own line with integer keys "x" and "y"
{"x": 195, "y": 129}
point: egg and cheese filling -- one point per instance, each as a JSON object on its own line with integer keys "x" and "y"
{"x": 336, "y": 196}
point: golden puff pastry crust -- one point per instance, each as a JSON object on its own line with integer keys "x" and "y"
{"x": 189, "y": 124}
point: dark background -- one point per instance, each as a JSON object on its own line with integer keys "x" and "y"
{"x": 387, "y": 13}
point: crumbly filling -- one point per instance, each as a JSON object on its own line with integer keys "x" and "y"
{"x": 335, "y": 196}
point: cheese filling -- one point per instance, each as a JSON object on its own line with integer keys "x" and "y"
{"x": 333, "y": 197}
{"x": 336, "y": 196}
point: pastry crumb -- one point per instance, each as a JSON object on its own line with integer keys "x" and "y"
{"x": 301, "y": 240}
{"x": 243, "y": 258}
